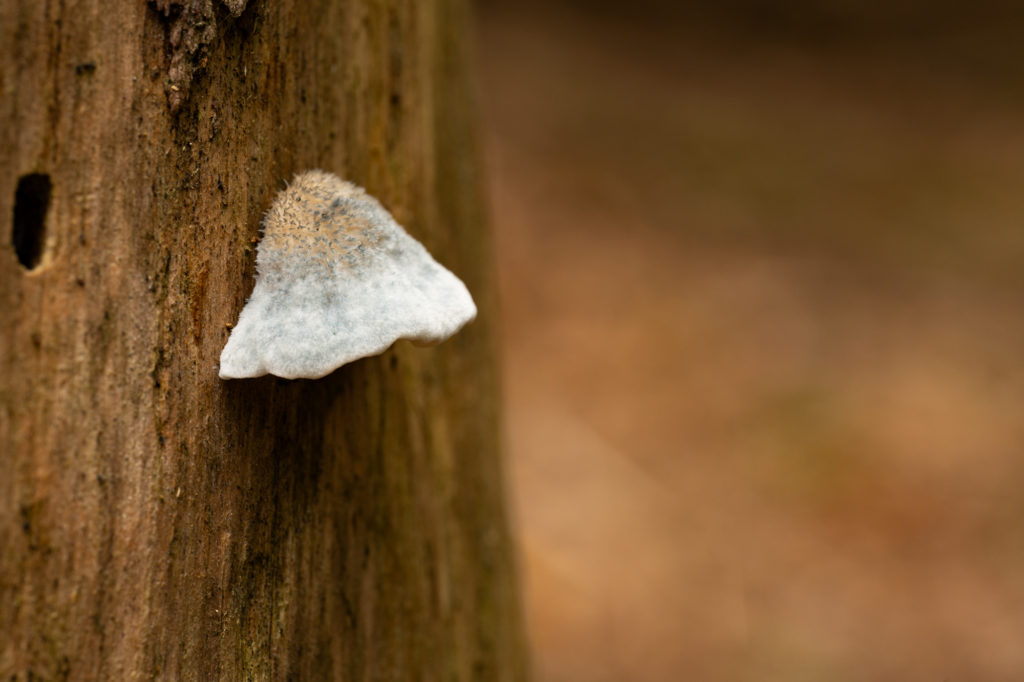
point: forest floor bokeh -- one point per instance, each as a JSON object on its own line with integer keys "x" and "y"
{"x": 764, "y": 353}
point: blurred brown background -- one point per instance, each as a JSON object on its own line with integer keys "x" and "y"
{"x": 763, "y": 275}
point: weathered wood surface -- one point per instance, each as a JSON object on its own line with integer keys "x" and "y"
{"x": 155, "y": 521}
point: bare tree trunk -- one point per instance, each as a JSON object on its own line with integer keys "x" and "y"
{"x": 155, "y": 521}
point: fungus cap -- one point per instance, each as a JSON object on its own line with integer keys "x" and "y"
{"x": 337, "y": 279}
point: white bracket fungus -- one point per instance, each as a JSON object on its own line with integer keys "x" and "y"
{"x": 337, "y": 280}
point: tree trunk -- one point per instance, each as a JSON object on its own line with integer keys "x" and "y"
{"x": 155, "y": 521}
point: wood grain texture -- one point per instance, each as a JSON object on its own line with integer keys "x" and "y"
{"x": 155, "y": 521}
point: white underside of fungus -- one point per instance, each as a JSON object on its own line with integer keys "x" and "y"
{"x": 337, "y": 280}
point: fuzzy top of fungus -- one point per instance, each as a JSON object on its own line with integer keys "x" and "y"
{"x": 337, "y": 280}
